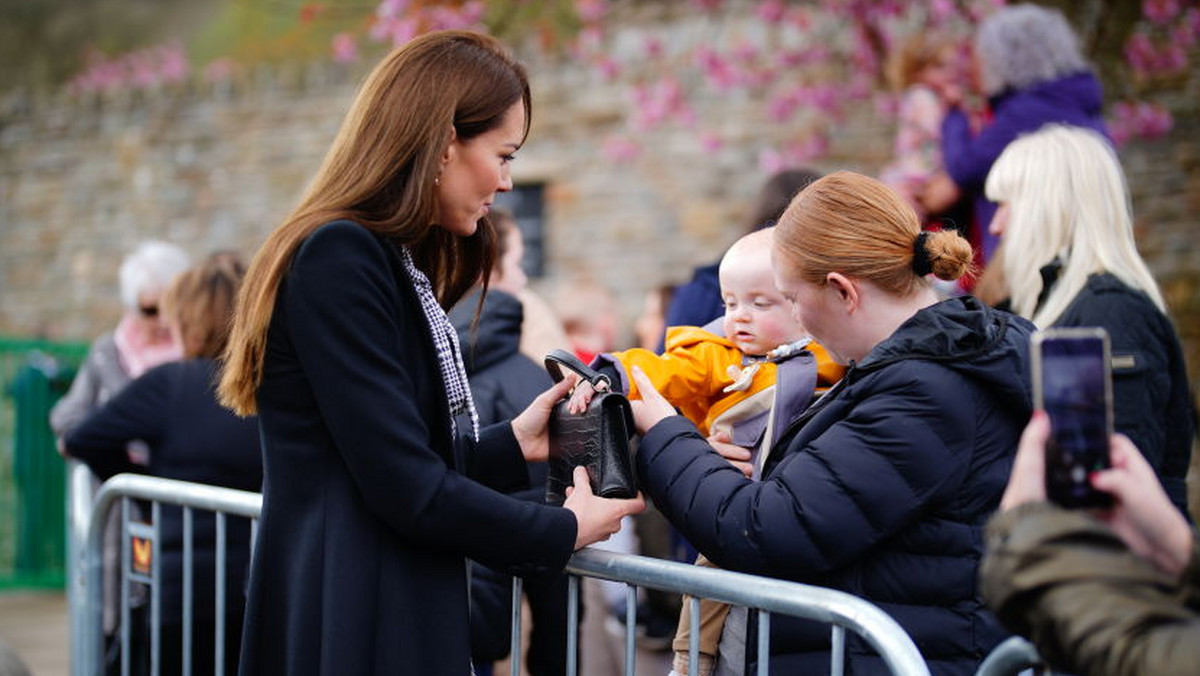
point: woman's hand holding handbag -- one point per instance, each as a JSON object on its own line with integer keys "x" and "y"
{"x": 596, "y": 438}
{"x": 531, "y": 427}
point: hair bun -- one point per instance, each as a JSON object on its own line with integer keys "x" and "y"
{"x": 946, "y": 254}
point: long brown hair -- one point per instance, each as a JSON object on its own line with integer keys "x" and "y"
{"x": 200, "y": 303}
{"x": 380, "y": 173}
{"x": 855, "y": 225}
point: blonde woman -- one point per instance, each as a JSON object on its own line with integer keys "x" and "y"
{"x": 1064, "y": 204}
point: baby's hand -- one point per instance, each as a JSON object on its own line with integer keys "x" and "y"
{"x": 737, "y": 456}
{"x": 581, "y": 396}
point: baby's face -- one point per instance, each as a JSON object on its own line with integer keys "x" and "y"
{"x": 758, "y": 318}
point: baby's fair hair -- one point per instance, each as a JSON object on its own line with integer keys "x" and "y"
{"x": 754, "y": 247}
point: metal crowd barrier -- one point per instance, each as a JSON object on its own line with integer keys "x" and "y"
{"x": 80, "y": 496}
{"x": 843, "y": 611}
{"x": 1014, "y": 656}
{"x": 769, "y": 596}
{"x": 124, "y": 488}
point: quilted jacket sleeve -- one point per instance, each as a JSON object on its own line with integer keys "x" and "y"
{"x": 874, "y": 470}
{"x": 1088, "y": 603}
{"x": 1141, "y": 379}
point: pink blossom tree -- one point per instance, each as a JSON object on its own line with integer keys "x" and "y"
{"x": 805, "y": 65}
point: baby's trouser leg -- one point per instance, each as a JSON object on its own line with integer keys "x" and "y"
{"x": 712, "y": 621}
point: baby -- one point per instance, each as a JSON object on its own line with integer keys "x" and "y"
{"x": 742, "y": 378}
{"x": 728, "y": 376}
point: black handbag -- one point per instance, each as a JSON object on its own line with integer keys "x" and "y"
{"x": 598, "y": 438}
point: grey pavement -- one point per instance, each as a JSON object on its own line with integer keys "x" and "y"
{"x": 34, "y": 626}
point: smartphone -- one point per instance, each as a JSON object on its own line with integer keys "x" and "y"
{"x": 1072, "y": 383}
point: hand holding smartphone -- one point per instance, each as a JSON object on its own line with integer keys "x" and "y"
{"x": 1072, "y": 383}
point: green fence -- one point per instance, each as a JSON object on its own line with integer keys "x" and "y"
{"x": 33, "y": 375}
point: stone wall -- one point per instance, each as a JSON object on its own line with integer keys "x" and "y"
{"x": 84, "y": 181}
{"x": 216, "y": 167}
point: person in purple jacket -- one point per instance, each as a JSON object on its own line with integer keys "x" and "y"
{"x": 1030, "y": 68}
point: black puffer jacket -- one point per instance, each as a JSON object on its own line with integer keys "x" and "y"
{"x": 881, "y": 489}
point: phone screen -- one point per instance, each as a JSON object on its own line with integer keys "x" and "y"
{"x": 1074, "y": 388}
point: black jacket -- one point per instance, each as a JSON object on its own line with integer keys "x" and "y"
{"x": 881, "y": 489}
{"x": 368, "y": 511}
{"x": 173, "y": 408}
{"x": 1152, "y": 404}
{"x": 503, "y": 382}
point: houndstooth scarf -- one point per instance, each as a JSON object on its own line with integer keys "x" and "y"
{"x": 445, "y": 338}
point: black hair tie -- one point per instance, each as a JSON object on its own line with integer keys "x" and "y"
{"x": 920, "y": 262}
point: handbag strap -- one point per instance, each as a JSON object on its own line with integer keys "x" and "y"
{"x": 560, "y": 358}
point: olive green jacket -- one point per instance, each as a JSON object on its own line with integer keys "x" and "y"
{"x": 1090, "y": 605}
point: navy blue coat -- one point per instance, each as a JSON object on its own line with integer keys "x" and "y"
{"x": 503, "y": 382}
{"x": 368, "y": 508}
{"x": 503, "y": 379}
{"x": 881, "y": 489}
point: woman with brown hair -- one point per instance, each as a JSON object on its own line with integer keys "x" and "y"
{"x": 370, "y": 439}
{"x": 882, "y": 487}
{"x": 173, "y": 408}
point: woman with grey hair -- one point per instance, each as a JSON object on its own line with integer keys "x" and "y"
{"x": 1029, "y": 66}
{"x": 140, "y": 341}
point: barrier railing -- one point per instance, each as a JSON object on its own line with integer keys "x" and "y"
{"x": 1013, "y": 656}
{"x": 190, "y": 496}
{"x": 839, "y": 609}
{"x": 80, "y": 497}
{"x": 769, "y": 596}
